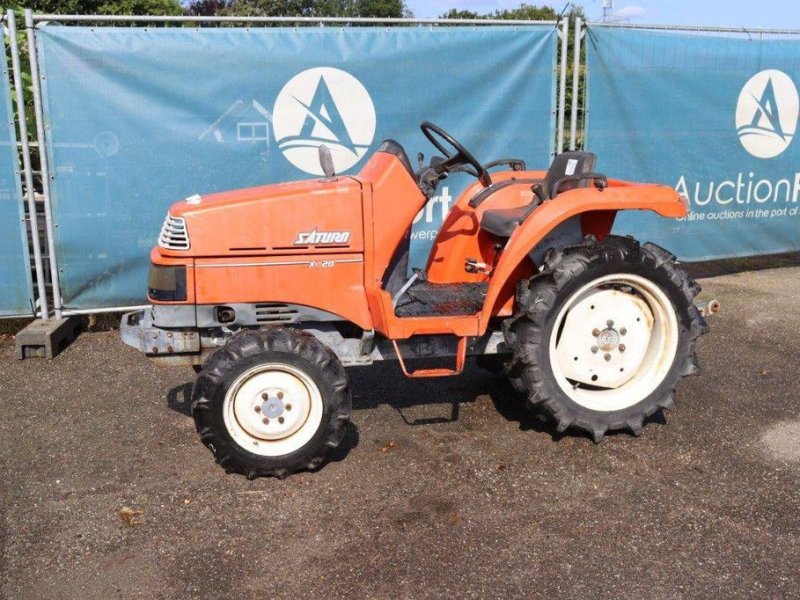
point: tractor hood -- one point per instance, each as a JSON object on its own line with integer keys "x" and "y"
{"x": 313, "y": 216}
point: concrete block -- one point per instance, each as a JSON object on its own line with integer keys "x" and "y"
{"x": 46, "y": 339}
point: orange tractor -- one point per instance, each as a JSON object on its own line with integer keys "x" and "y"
{"x": 272, "y": 291}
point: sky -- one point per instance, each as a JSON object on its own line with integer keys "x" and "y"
{"x": 724, "y": 13}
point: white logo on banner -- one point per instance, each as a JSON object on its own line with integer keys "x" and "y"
{"x": 766, "y": 115}
{"x": 324, "y": 106}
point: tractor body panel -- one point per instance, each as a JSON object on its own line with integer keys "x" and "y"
{"x": 317, "y": 216}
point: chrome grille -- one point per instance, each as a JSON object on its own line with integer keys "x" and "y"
{"x": 276, "y": 313}
{"x": 174, "y": 235}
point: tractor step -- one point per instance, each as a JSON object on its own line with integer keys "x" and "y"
{"x": 461, "y": 355}
{"x": 426, "y": 299}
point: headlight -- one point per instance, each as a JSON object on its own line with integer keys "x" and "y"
{"x": 174, "y": 235}
{"x": 167, "y": 283}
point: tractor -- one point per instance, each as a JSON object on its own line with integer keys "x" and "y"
{"x": 272, "y": 292}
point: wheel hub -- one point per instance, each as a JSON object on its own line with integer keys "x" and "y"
{"x": 608, "y": 340}
{"x": 273, "y": 406}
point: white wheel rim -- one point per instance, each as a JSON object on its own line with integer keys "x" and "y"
{"x": 272, "y": 409}
{"x": 613, "y": 342}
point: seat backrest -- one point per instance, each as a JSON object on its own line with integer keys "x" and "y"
{"x": 565, "y": 165}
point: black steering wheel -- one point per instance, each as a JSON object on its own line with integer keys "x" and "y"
{"x": 461, "y": 157}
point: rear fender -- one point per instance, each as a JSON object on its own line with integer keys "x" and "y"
{"x": 597, "y": 209}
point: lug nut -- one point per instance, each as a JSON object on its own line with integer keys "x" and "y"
{"x": 280, "y": 420}
{"x": 280, "y": 395}
{"x": 288, "y": 407}
{"x": 265, "y": 420}
{"x": 623, "y": 331}
{"x": 610, "y": 323}
{"x": 622, "y": 347}
{"x": 594, "y": 349}
{"x": 595, "y": 332}
{"x": 607, "y": 357}
{"x": 257, "y": 409}
{"x": 265, "y": 396}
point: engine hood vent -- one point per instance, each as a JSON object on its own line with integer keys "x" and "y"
{"x": 276, "y": 313}
{"x": 174, "y": 235}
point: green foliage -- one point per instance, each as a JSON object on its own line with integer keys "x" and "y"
{"x": 526, "y": 12}
{"x": 107, "y": 7}
{"x": 299, "y": 8}
{"x": 455, "y": 13}
{"x": 522, "y": 12}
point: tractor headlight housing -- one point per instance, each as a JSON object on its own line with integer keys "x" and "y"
{"x": 167, "y": 283}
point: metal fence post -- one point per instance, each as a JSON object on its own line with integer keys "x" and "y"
{"x": 562, "y": 85}
{"x": 576, "y": 67}
{"x": 30, "y": 31}
{"x": 30, "y": 193}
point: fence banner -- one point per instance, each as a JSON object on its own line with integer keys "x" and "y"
{"x": 713, "y": 116}
{"x": 140, "y": 118}
{"x": 16, "y": 295}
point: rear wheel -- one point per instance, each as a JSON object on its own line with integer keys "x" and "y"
{"x": 271, "y": 402}
{"x": 604, "y": 334}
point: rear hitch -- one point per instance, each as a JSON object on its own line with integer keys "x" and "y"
{"x": 708, "y": 308}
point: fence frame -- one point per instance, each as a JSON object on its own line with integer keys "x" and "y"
{"x": 27, "y": 170}
{"x": 696, "y": 28}
{"x": 583, "y": 28}
{"x": 32, "y": 21}
{"x": 30, "y": 225}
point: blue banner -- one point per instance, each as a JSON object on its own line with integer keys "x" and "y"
{"x": 716, "y": 117}
{"x": 16, "y": 297}
{"x": 140, "y": 118}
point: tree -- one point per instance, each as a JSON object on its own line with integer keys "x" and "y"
{"x": 205, "y": 8}
{"x": 106, "y": 7}
{"x": 300, "y": 8}
{"x": 526, "y": 12}
{"x": 455, "y": 13}
{"x": 522, "y": 12}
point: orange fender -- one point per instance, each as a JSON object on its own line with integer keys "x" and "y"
{"x": 619, "y": 195}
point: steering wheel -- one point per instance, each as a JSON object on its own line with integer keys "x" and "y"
{"x": 460, "y": 157}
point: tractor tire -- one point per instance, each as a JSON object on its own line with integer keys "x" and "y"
{"x": 271, "y": 402}
{"x": 603, "y": 334}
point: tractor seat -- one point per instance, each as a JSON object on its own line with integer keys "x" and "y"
{"x": 568, "y": 171}
{"x": 503, "y": 221}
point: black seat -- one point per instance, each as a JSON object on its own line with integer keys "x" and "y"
{"x": 569, "y": 170}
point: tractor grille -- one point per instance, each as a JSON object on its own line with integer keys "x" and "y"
{"x": 276, "y": 313}
{"x": 173, "y": 234}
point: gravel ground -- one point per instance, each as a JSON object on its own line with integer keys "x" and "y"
{"x": 476, "y": 497}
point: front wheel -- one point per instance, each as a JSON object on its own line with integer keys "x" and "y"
{"x": 604, "y": 334}
{"x": 271, "y": 402}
